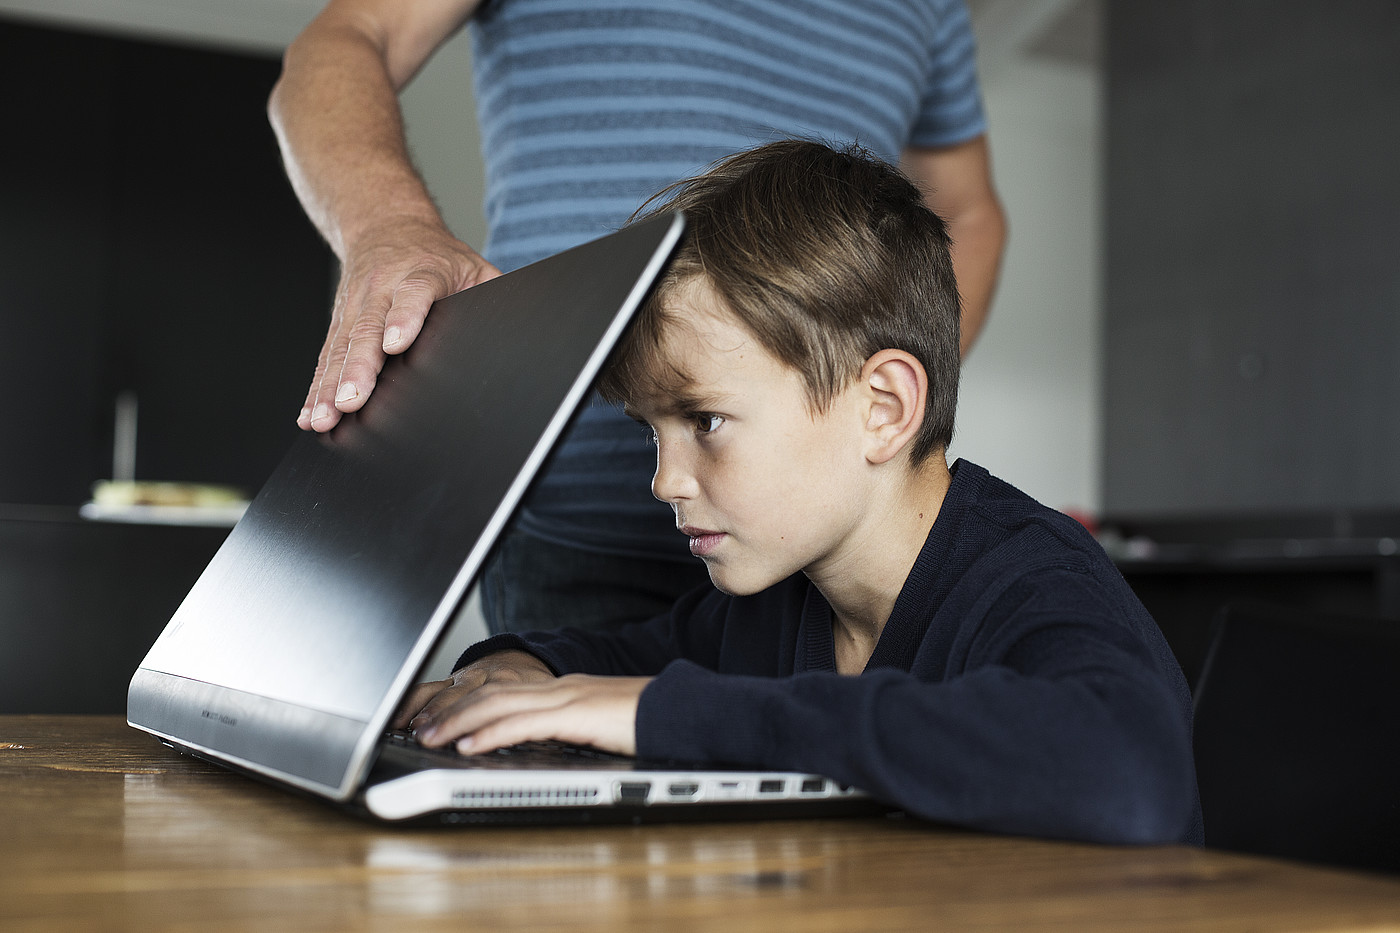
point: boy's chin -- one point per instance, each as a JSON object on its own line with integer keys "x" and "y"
{"x": 729, "y": 586}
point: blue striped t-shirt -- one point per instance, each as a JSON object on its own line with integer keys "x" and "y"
{"x": 588, "y": 107}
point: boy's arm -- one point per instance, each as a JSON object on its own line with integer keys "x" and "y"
{"x": 1059, "y": 725}
{"x": 516, "y": 688}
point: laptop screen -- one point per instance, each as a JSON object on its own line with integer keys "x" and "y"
{"x": 293, "y": 647}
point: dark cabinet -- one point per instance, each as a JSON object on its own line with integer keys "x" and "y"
{"x": 149, "y": 244}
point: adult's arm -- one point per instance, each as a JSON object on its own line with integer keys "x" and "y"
{"x": 336, "y": 115}
{"x": 957, "y": 185}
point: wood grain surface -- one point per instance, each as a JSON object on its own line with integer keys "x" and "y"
{"x": 103, "y": 828}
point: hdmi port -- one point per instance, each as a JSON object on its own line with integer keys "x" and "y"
{"x": 686, "y": 789}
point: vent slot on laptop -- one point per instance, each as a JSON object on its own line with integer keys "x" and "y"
{"x": 542, "y": 796}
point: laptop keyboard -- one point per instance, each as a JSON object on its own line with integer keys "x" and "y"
{"x": 526, "y": 755}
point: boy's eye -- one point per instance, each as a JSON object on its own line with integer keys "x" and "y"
{"x": 706, "y": 422}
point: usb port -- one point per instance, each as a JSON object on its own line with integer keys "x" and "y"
{"x": 726, "y": 790}
{"x": 683, "y": 789}
{"x": 813, "y": 785}
{"x": 633, "y": 791}
{"x": 771, "y": 786}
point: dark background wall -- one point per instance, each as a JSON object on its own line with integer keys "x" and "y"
{"x": 1252, "y": 305}
{"x": 1252, "y": 351}
{"x": 150, "y": 243}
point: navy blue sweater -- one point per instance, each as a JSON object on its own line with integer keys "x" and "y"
{"x": 1018, "y": 686}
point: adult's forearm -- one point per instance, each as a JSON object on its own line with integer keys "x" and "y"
{"x": 336, "y": 115}
{"x": 957, "y": 184}
{"x": 979, "y": 237}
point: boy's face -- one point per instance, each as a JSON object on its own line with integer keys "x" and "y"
{"x": 763, "y": 486}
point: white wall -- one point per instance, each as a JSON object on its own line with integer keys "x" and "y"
{"x": 1029, "y": 410}
{"x": 245, "y": 25}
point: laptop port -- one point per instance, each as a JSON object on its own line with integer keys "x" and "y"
{"x": 771, "y": 786}
{"x": 726, "y": 790}
{"x": 633, "y": 791}
{"x": 685, "y": 789}
{"x": 813, "y": 785}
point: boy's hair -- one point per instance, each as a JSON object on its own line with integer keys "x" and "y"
{"x": 826, "y": 257}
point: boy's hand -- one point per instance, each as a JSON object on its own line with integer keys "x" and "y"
{"x": 482, "y": 711}
{"x": 425, "y": 701}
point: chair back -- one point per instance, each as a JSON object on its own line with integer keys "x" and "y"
{"x": 1297, "y": 736}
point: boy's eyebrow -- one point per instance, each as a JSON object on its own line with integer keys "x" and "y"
{"x": 680, "y": 403}
{"x": 691, "y": 401}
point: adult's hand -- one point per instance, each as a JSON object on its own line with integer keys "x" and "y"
{"x": 336, "y": 115}
{"x": 388, "y": 283}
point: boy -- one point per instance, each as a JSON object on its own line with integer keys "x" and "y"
{"x": 928, "y": 634}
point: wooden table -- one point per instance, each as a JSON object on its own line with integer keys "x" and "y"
{"x": 102, "y": 828}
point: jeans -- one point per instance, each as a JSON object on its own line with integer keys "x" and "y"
{"x": 534, "y": 585}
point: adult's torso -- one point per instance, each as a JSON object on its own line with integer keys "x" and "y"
{"x": 589, "y": 107}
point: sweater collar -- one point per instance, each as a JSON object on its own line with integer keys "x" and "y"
{"x": 919, "y": 598}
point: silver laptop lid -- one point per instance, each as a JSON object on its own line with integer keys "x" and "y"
{"x": 292, "y": 649}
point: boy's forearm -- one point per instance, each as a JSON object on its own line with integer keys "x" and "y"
{"x": 993, "y": 749}
{"x": 636, "y": 650}
{"x": 336, "y": 115}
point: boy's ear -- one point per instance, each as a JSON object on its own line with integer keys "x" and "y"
{"x": 896, "y": 387}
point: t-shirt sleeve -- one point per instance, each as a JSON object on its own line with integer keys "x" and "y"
{"x": 951, "y": 109}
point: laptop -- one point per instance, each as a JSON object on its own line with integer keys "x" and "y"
{"x": 292, "y": 650}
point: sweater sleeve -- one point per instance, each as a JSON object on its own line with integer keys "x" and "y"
{"x": 1054, "y": 721}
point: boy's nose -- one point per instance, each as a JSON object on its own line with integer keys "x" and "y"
{"x": 672, "y": 481}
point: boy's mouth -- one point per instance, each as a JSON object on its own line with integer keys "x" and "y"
{"x": 702, "y": 541}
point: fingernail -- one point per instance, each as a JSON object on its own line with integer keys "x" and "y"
{"x": 304, "y": 416}
{"x": 392, "y": 337}
{"x": 347, "y": 392}
{"x": 322, "y": 411}
{"x": 464, "y": 745}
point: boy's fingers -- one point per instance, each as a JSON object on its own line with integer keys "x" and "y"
{"x": 534, "y": 725}
{"x": 598, "y": 711}
{"x": 456, "y": 712}
{"x": 417, "y": 698}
